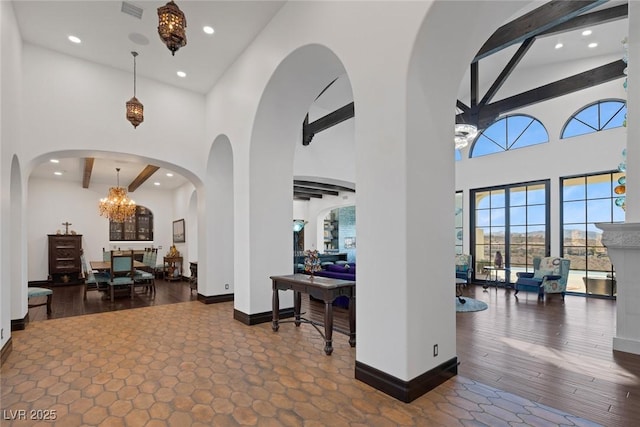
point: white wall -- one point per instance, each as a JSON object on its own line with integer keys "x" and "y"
{"x": 51, "y": 202}
{"x": 12, "y": 302}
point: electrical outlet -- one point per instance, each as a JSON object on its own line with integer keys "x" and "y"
{"x": 435, "y": 350}
{"x": 226, "y": 286}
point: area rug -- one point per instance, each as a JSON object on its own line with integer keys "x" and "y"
{"x": 470, "y": 304}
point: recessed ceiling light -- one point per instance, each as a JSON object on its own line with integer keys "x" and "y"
{"x": 207, "y": 29}
{"x": 54, "y": 160}
{"x": 592, "y": 45}
{"x": 559, "y": 45}
{"x": 58, "y": 173}
{"x": 169, "y": 174}
{"x": 156, "y": 183}
{"x": 181, "y": 74}
{"x": 74, "y": 39}
{"x": 586, "y": 32}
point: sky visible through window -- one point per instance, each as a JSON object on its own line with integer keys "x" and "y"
{"x": 509, "y": 133}
{"x": 600, "y": 116}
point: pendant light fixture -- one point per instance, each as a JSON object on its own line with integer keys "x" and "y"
{"x": 135, "y": 109}
{"x": 117, "y": 206}
{"x": 171, "y": 26}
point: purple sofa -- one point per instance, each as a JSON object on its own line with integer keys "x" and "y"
{"x": 337, "y": 271}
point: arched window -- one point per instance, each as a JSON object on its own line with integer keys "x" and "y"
{"x": 138, "y": 227}
{"x": 509, "y": 133}
{"x": 602, "y": 115}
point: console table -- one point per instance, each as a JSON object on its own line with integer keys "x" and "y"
{"x": 323, "y": 288}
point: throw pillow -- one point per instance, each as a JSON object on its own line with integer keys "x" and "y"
{"x": 539, "y": 274}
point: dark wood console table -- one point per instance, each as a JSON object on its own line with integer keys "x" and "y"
{"x": 323, "y": 288}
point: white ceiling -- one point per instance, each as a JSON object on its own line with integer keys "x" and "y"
{"x": 107, "y": 35}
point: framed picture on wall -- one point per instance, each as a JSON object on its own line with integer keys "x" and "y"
{"x": 178, "y": 231}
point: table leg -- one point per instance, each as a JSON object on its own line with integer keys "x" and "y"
{"x": 328, "y": 328}
{"x": 49, "y": 303}
{"x": 352, "y": 321}
{"x": 275, "y": 306}
{"x": 297, "y": 302}
{"x": 112, "y": 295}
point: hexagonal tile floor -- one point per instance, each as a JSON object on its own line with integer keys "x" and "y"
{"x": 192, "y": 364}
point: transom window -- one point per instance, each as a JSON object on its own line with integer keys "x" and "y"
{"x": 509, "y": 133}
{"x": 602, "y": 115}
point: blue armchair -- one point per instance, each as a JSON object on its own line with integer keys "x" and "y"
{"x": 464, "y": 267}
{"x": 549, "y": 276}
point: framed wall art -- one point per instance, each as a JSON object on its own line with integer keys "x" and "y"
{"x": 178, "y": 231}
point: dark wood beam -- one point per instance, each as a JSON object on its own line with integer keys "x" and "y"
{"x": 88, "y": 168}
{"x": 584, "y": 80}
{"x": 462, "y": 106}
{"x": 537, "y": 21}
{"x": 142, "y": 177}
{"x": 301, "y": 198}
{"x": 506, "y": 72}
{"x": 338, "y": 116}
{"x": 474, "y": 84}
{"x": 590, "y": 19}
{"x": 307, "y": 195}
{"x": 321, "y": 185}
{"x": 299, "y": 189}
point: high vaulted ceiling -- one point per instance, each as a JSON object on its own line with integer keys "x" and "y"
{"x": 109, "y": 35}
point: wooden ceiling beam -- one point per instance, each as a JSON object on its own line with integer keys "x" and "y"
{"x": 338, "y": 116}
{"x": 321, "y": 185}
{"x": 537, "y": 21}
{"x": 88, "y": 168}
{"x": 590, "y": 19}
{"x": 584, "y": 80}
{"x": 142, "y": 177}
{"x": 299, "y": 189}
{"x": 307, "y": 195}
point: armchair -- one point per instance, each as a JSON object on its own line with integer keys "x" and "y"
{"x": 549, "y": 276}
{"x": 464, "y": 267}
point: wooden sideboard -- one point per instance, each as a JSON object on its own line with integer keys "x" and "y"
{"x": 64, "y": 259}
{"x": 172, "y": 268}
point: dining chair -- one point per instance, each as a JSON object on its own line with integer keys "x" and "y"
{"x": 122, "y": 272}
{"x": 93, "y": 280}
{"x": 145, "y": 276}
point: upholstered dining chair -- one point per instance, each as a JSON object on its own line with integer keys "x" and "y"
{"x": 550, "y": 275}
{"x": 464, "y": 267}
{"x": 93, "y": 280}
{"x": 146, "y": 277}
{"x": 122, "y": 272}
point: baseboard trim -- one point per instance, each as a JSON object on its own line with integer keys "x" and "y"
{"x": 6, "y": 350}
{"x": 406, "y": 391}
{"x": 214, "y": 299}
{"x": 255, "y": 319}
{"x": 20, "y": 324}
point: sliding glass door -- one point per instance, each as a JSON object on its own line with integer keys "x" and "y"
{"x": 513, "y": 220}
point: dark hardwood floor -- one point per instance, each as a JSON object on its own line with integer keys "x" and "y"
{"x": 554, "y": 353}
{"x": 69, "y": 300}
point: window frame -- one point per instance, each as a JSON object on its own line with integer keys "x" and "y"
{"x": 120, "y": 227}
{"x": 507, "y": 147}
{"x": 600, "y": 128}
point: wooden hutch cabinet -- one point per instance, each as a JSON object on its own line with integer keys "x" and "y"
{"x": 64, "y": 258}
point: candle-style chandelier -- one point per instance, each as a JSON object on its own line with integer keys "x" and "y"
{"x": 135, "y": 109}
{"x": 171, "y": 26}
{"x": 117, "y": 206}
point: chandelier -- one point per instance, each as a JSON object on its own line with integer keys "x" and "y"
{"x": 171, "y": 26}
{"x": 117, "y": 206}
{"x": 464, "y": 134}
{"x": 135, "y": 109}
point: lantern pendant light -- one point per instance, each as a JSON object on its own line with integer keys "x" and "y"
{"x": 171, "y": 26}
{"x": 135, "y": 109}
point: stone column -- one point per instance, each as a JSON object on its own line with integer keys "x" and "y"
{"x": 623, "y": 244}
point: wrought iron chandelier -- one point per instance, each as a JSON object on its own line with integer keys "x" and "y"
{"x": 135, "y": 109}
{"x": 117, "y": 206}
{"x": 171, "y": 26}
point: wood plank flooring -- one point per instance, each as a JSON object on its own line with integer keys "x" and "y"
{"x": 553, "y": 353}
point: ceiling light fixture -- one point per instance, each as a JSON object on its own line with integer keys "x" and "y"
{"x": 74, "y": 39}
{"x": 171, "y": 26}
{"x": 181, "y": 74}
{"x": 57, "y": 173}
{"x": 54, "y": 160}
{"x": 208, "y": 30}
{"x": 169, "y": 174}
{"x": 117, "y": 206}
{"x": 592, "y": 45}
{"x": 586, "y": 32}
{"x": 559, "y": 45}
{"x": 135, "y": 109}
{"x": 464, "y": 134}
